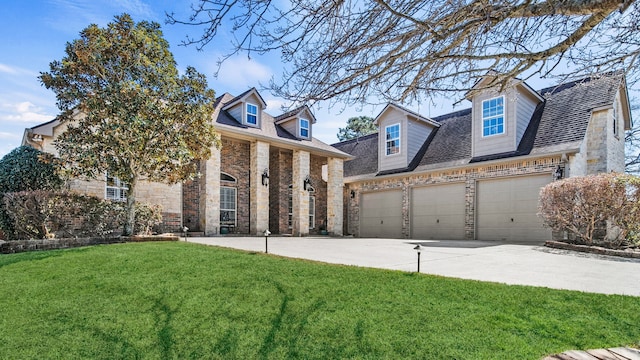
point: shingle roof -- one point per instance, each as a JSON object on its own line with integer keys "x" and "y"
{"x": 557, "y": 124}
{"x": 295, "y": 112}
{"x": 233, "y": 100}
{"x": 270, "y": 131}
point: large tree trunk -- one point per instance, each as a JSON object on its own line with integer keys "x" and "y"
{"x": 131, "y": 208}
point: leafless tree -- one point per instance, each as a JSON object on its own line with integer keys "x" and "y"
{"x": 352, "y": 51}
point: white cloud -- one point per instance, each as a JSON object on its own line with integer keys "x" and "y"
{"x": 7, "y": 69}
{"x": 8, "y": 136}
{"x": 238, "y": 73}
{"x": 23, "y": 112}
{"x": 15, "y": 70}
{"x": 274, "y": 106}
{"x": 135, "y": 8}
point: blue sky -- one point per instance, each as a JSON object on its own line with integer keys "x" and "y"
{"x": 34, "y": 33}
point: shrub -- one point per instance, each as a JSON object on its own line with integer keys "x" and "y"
{"x": 585, "y": 207}
{"x": 26, "y": 169}
{"x": 45, "y": 214}
{"x": 147, "y": 217}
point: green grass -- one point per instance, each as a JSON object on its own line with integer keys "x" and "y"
{"x": 178, "y": 300}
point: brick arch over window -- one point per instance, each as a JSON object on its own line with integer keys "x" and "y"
{"x": 226, "y": 177}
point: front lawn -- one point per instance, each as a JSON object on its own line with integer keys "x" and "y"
{"x": 179, "y": 300}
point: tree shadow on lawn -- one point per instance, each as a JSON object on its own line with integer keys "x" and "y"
{"x": 269, "y": 344}
{"x": 9, "y": 259}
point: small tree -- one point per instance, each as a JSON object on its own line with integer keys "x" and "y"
{"x": 356, "y": 127}
{"x": 129, "y": 113}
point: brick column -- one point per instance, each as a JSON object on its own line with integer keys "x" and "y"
{"x": 301, "y": 169}
{"x": 210, "y": 194}
{"x": 259, "y": 194}
{"x": 335, "y": 196}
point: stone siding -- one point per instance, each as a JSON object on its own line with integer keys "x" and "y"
{"x": 615, "y": 141}
{"x": 597, "y": 143}
{"x": 469, "y": 176}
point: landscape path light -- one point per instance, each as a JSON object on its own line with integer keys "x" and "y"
{"x": 418, "y": 249}
{"x": 266, "y": 237}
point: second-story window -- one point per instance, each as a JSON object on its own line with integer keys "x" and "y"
{"x": 392, "y": 136}
{"x": 493, "y": 116}
{"x": 252, "y": 114}
{"x": 304, "y": 128}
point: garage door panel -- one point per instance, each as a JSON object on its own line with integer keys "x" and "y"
{"x": 381, "y": 214}
{"x": 507, "y": 209}
{"x": 438, "y": 212}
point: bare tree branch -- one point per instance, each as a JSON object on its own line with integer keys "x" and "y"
{"x": 398, "y": 50}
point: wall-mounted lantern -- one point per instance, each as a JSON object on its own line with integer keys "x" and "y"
{"x": 558, "y": 174}
{"x": 353, "y": 194}
{"x": 265, "y": 177}
{"x": 306, "y": 184}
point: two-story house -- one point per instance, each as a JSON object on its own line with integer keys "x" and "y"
{"x": 477, "y": 173}
{"x": 270, "y": 173}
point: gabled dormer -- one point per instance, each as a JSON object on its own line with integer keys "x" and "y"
{"x": 298, "y": 122}
{"x": 500, "y": 118}
{"x": 247, "y": 108}
{"x": 402, "y": 133}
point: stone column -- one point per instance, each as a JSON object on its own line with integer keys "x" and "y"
{"x": 259, "y": 194}
{"x": 301, "y": 168}
{"x": 210, "y": 194}
{"x": 335, "y": 198}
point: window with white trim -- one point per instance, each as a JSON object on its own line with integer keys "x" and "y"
{"x": 252, "y": 114}
{"x": 392, "y": 139}
{"x": 304, "y": 128}
{"x": 115, "y": 189}
{"x": 312, "y": 211}
{"x": 493, "y": 116}
{"x": 312, "y": 207}
{"x": 227, "y": 206}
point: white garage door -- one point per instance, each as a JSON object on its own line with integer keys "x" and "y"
{"x": 437, "y": 212}
{"x": 381, "y": 214}
{"x": 507, "y": 209}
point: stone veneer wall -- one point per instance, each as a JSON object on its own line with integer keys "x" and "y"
{"x": 167, "y": 196}
{"x": 235, "y": 161}
{"x": 468, "y": 175}
{"x": 597, "y": 143}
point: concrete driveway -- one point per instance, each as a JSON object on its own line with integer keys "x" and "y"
{"x": 520, "y": 264}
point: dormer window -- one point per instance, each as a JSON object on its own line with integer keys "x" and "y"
{"x": 392, "y": 136}
{"x": 493, "y": 116}
{"x": 252, "y": 114}
{"x": 304, "y": 128}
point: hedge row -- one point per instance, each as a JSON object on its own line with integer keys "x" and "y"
{"x": 44, "y": 214}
